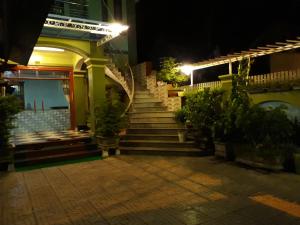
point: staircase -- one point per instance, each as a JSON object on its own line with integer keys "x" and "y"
{"x": 153, "y": 130}
{"x": 55, "y": 151}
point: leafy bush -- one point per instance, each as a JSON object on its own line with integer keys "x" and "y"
{"x": 265, "y": 127}
{"x": 296, "y": 133}
{"x": 181, "y": 116}
{"x": 204, "y": 110}
{"x": 169, "y": 72}
{"x": 109, "y": 120}
{"x": 9, "y": 107}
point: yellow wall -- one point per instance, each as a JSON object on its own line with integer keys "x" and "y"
{"x": 45, "y": 58}
{"x": 80, "y": 47}
{"x": 291, "y": 97}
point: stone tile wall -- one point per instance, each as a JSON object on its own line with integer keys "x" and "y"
{"x": 29, "y": 121}
{"x": 160, "y": 91}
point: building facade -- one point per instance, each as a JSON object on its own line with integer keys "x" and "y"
{"x": 75, "y": 65}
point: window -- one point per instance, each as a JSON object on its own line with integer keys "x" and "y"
{"x": 118, "y": 10}
{"x": 104, "y": 10}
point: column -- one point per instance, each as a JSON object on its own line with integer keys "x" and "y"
{"x": 226, "y": 81}
{"x": 96, "y": 82}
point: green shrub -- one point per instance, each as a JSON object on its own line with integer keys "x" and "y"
{"x": 109, "y": 119}
{"x": 265, "y": 127}
{"x": 203, "y": 111}
{"x": 9, "y": 107}
{"x": 181, "y": 116}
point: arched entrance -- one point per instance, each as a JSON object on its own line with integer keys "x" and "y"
{"x": 46, "y": 87}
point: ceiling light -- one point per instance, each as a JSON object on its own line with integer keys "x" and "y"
{"x": 49, "y": 49}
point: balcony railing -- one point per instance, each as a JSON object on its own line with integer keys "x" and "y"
{"x": 201, "y": 86}
{"x": 71, "y": 8}
{"x": 275, "y": 81}
{"x": 278, "y": 81}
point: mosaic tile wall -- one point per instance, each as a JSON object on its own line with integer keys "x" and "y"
{"x": 161, "y": 92}
{"x": 29, "y": 121}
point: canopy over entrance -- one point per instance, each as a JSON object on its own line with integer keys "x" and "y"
{"x": 92, "y": 30}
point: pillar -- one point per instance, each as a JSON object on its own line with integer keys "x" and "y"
{"x": 96, "y": 82}
{"x": 81, "y": 99}
{"x": 226, "y": 83}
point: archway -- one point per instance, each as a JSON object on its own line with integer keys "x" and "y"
{"x": 292, "y": 111}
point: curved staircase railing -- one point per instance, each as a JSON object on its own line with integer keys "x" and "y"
{"x": 120, "y": 71}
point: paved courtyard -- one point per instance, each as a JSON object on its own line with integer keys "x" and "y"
{"x": 138, "y": 190}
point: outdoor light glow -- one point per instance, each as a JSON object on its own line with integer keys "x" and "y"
{"x": 49, "y": 49}
{"x": 187, "y": 69}
{"x": 117, "y": 28}
{"x": 35, "y": 59}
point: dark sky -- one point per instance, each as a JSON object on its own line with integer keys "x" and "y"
{"x": 194, "y": 30}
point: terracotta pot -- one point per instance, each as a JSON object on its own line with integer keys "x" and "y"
{"x": 297, "y": 162}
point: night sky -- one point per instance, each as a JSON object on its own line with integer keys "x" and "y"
{"x": 195, "y": 30}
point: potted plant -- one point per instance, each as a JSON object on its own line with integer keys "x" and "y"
{"x": 180, "y": 118}
{"x": 9, "y": 107}
{"x": 297, "y": 161}
{"x": 296, "y": 150}
{"x": 109, "y": 122}
{"x": 203, "y": 110}
{"x": 267, "y": 147}
{"x": 224, "y": 133}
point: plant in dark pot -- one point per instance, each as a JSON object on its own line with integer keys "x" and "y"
{"x": 293, "y": 156}
{"x": 267, "y": 133}
{"x": 203, "y": 110}
{"x": 9, "y": 107}
{"x": 225, "y": 132}
{"x": 180, "y": 118}
{"x": 109, "y": 122}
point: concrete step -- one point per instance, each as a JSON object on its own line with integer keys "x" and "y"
{"x": 153, "y": 125}
{"x": 154, "y": 131}
{"x": 53, "y": 150}
{"x": 52, "y": 142}
{"x": 144, "y": 92}
{"x": 146, "y": 104}
{"x": 157, "y": 143}
{"x": 142, "y": 96}
{"x": 163, "y": 137}
{"x": 163, "y": 151}
{"x": 153, "y": 120}
{"x": 57, "y": 157}
{"x": 157, "y": 114}
{"x": 146, "y": 100}
{"x": 149, "y": 109}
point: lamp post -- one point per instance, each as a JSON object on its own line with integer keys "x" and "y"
{"x": 188, "y": 70}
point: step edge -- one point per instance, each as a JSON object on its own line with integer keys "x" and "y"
{"x": 56, "y": 156}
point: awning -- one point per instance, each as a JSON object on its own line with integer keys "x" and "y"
{"x": 251, "y": 53}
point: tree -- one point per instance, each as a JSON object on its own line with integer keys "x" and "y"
{"x": 169, "y": 72}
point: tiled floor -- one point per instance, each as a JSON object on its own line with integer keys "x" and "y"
{"x": 41, "y": 137}
{"x": 149, "y": 190}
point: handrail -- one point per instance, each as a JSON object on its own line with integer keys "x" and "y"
{"x": 132, "y": 91}
{"x": 113, "y": 71}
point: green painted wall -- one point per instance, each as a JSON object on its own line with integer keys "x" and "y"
{"x": 81, "y": 99}
{"x": 291, "y": 97}
{"x": 94, "y": 10}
